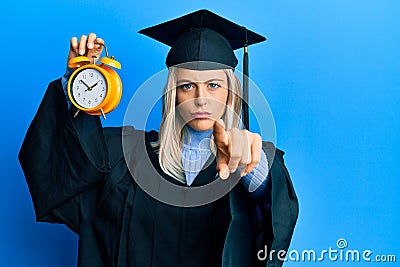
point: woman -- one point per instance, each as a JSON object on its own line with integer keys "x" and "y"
{"x": 155, "y": 199}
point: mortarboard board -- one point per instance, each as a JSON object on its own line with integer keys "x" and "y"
{"x": 204, "y": 36}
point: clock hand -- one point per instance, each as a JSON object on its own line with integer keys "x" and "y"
{"x": 88, "y": 87}
{"x": 91, "y": 87}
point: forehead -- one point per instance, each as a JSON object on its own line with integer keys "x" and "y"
{"x": 199, "y": 75}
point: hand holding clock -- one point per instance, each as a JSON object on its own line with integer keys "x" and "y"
{"x": 90, "y": 83}
{"x": 89, "y": 46}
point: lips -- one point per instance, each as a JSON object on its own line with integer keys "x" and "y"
{"x": 201, "y": 115}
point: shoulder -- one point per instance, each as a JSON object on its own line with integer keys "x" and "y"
{"x": 272, "y": 151}
{"x": 56, "y": 83}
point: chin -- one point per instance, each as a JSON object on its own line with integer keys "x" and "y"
{"x": 201, "y": 124}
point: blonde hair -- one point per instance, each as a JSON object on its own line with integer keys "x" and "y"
{"x": 169, "y": 144}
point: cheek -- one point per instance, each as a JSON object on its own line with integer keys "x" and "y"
{"x": 183, "y": 100}
{"x": 220, "y": 102}
{"x": 184, "y": 96}
{"x": 184, "y": 107}
{"x": 179, "y": 98}
{"x": 223, "y": 96}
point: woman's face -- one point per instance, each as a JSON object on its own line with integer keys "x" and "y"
{"x": 201, "y": 96}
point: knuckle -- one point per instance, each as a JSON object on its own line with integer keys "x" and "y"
{"x": 233, "y": 131}
{"x": 99, "y": 41}
{"x": 232, "y": 166}
{"x": 236, "y": 154}
{"x": 245, "y": 162}
{"x": 246, "y": 135}
{"x": 254, "y": 162}
{"x": 249, "y": 161}
{"x": 219, "y": 143}
{"x": 257, "y": 137}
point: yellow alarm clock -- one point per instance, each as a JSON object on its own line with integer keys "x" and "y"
{"x": 95, "y": 88}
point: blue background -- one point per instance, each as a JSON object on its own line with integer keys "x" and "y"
{"x": 330, "y": 71}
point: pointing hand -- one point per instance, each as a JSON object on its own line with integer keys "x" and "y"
{"x": 236, "y": 148}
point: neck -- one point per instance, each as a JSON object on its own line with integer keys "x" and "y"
{"x": 194, "y": 136}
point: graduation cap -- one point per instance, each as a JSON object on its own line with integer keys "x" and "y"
{"x": 204, "y": 36}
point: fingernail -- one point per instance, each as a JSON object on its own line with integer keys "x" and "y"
{"x": 90, "y": 45}
{"x": 81, "y": 52}
{"x": 224, "y": 174}
{"x": 243, "y": 173}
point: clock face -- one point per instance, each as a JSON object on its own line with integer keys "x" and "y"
{"x": 89, "y": 88}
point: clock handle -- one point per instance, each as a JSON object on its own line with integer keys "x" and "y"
{"x": 106, "y": 49}
{"x": 95, "y": 58}
{"x": 102, "y": 113}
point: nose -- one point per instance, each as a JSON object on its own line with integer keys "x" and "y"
{"x": 201, "y": 95}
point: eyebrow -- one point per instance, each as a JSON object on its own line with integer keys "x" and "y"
{"x": 189, "y": 81}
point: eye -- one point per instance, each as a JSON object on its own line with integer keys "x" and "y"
{"x": 214, "y": 85}
{"x": 186, "y": 86}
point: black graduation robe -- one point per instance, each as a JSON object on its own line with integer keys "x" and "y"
{"x": 77, "y": 175}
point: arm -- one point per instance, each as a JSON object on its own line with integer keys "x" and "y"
{"x": 61, "y": 157}
{"x": 275, "y": 222}
{"x": 64, "y": 83}
{"x": 256, "y": 182}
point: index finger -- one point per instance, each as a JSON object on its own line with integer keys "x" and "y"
{"x": 221, "y": 137}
